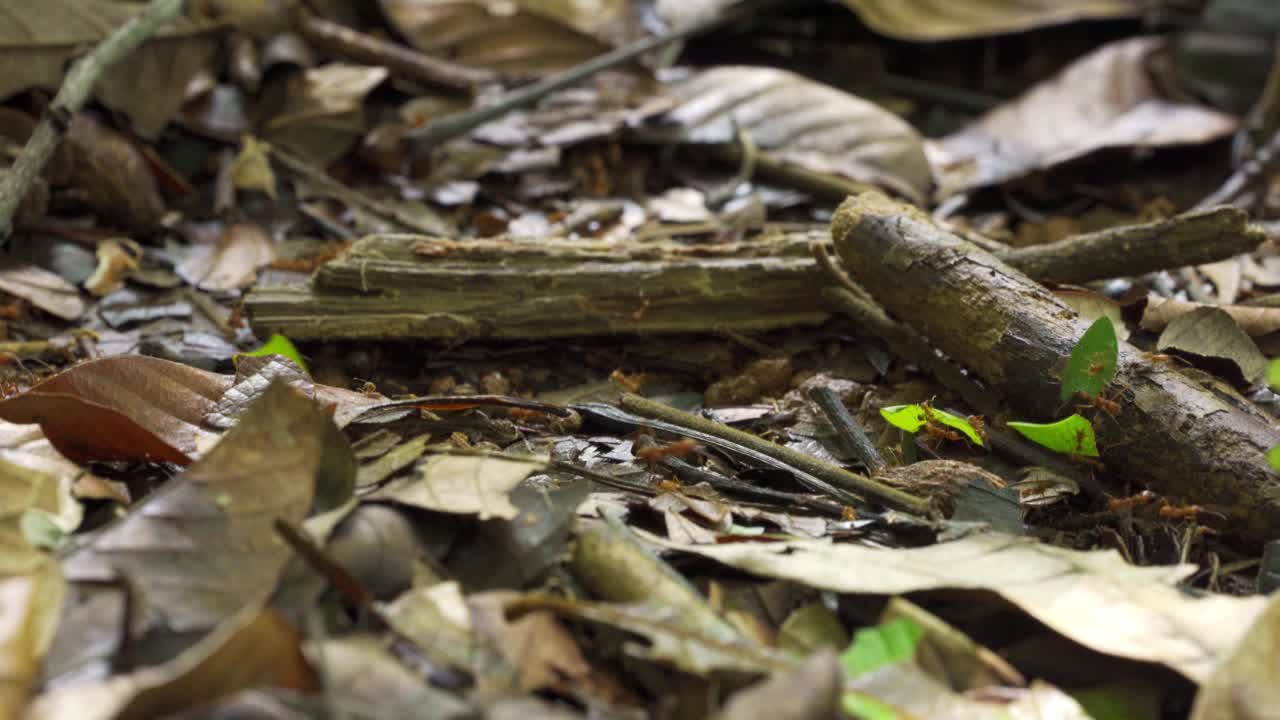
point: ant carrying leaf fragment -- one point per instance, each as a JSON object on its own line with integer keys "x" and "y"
{"x": 939, "y": 424}
{"x": 1073, "y": 435}
{"x": 1092, "y": 365}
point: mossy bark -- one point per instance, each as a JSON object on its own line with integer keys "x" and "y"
{"x": 1191, "y": 440}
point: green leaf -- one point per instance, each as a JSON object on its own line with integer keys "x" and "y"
{"x": 885, "y": 644}
{"x": 1072, "y": 435}
{"x": 1273, "y": 374}
{"x": 1273, "y": 458}
{"x": 1093, "y": 361}
{"x": 913, "y": 417}
{"x": 278, "y": 344}
{"x": 904, "y": 417}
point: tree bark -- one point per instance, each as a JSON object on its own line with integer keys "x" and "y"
{"x": 1196, "y": 442}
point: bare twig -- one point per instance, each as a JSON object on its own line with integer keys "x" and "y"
{"x": 830, "y": 474}
{"x": 72, "y": 96}
{"x": 400, "y": 60}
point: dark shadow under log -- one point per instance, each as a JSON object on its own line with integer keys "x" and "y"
{"x": 1184, "y": 439}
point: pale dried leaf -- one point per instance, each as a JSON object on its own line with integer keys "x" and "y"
{"x": 233, "y": 262}
{"x": 47, "y": 291}
{"x": 506, "y": 37}
{"x": 1094, "y": 598}
{"x": 1104, "y": 100}
{"x": 1225, "y": 276}
{"x": 30, "y": 605}
{"x": 465, "y": 484}
{"x": 801, "y": 123}
{"x": 1092, "y": 305}
{"x": 934, "y": 20}
{"x": 1255, "y": 321}
{"x": 1244, "y": 687}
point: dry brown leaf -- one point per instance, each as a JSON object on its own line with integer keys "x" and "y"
{"x": 945, "y": 20}
{"x": 155, "y": 409}
{"x": 113, "y": 175}
{"x": 39, "y": 39}
{"x": 323, "y": 114}
{"x": 233, "y": 262}
{"x": 506, "y": 37}
{"x": 257, "y": 648}
{"x": 205, "y": 547}
{"x": 1255, "y": 321}
{"x": 1104, "y": 100}
{"x": 468, "y": 484}
{"x": 1212, "y": 334}
{"x": 801, "y": 123}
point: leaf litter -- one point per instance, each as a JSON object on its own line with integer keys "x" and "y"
{"x": 558, "y": 410}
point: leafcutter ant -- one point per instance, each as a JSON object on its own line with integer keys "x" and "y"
{"x": 1131, "y": 502}
{"x": 655, "y": 454}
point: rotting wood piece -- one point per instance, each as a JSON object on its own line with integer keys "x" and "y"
{"x": 1185, "y": 440}
{"x": 413, "y": 287}
{"x": 420, "y": 287}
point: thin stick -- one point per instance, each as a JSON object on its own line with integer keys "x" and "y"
{"x": 400, "y": 60}
{"x": 72, "y": 96}
{"x": 839, "y": 477}
{"x": 847, "y": 428}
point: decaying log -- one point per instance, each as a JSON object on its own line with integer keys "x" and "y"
{"x": 1185, "y": 439}
{"x": 405, "y": 287}
{"x": 417, "y": 287}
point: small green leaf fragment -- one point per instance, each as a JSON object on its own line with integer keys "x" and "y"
{"x": 909, "y": 418}
{"x": 1273, "y": 458}
{"x": 1073, "y": 435}
{"x": 885, "y": 644}
{"x": 278, "y": 344}
{"x": 956, "y": 422}
{"x": 1273, "y": 374}
{"x": 1093, "y": 361}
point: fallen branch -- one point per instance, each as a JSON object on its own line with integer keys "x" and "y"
{"x": 1200, "y": 236}
{"x": 1184, "y": 439}
{"x": 76, "y": 89}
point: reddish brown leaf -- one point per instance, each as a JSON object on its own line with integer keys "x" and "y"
{"x": 123, "y": 408}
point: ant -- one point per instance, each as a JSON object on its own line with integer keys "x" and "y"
{"x": 1105, "y": 404}
{"x": 1131, "y": 502}
{"x": 629, "y": 382}
{"x": 1162, "y": 359}
{"x": 654, "y": 454}
{"x": 979, "y": 426}
{"x": 1175, "y": 513}
{"x": 669, "y": 486}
